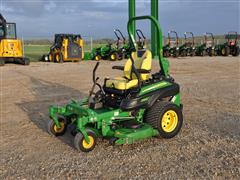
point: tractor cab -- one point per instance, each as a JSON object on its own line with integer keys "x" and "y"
{"x": 232, "y": 38}
{"x": 11, "y": 49}
{"x": 7, "y": 30}
{"x": 188, "y": 48}
{"x": 209, "y": 39}
{"x": 209, "y": 42}
{"x": 207, "y": 47}
{"x": 232, "y": 41}
{"x": 230, "y": 47}
{"x": 173, "y": 40}
{"x": 171, "y": 48}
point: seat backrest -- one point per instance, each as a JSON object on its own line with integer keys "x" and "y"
{"x": 142, "y": 62}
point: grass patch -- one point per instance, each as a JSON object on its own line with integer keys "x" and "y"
{"x": 35, "y": 52}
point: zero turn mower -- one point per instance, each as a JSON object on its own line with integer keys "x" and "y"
{"x": 123, "y": 46}
{"x": 66, "y": 47}
{"x": 208, "y": 47}
{"x": 11, "y": 48}
{"x": 230, "y": 47}
{"x": 171, "y": 48}
{"x": 126, "y": 109}
{"x": 188, "y": 47}
{"x": 108, "y": 52}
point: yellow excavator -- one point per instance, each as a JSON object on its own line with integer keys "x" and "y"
{"x": 11, "y": 48}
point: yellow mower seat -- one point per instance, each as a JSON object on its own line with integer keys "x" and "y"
{"x": 127, "y": 82}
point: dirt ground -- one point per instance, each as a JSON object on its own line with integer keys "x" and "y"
{"x": 207, "y": 147}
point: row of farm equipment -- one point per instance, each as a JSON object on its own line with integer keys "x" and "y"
{"x": 69, "y": 47}
{"x": 208, "y": 47}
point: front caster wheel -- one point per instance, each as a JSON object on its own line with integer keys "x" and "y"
{"x": 82, "y": 145}
{"x": 54, "y": 130}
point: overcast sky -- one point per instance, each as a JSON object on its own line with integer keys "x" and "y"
{"x": 98, "y": 18}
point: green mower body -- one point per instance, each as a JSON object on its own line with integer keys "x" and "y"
{"x": 123, "y": 116}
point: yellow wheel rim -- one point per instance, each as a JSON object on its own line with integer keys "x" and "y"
{"x": 223, "y": 51}
{"x": 88, "y": 145}
{"x": 113, "y": 57}
{"x": 97, "y": 58}
{"x": 57, "y": 57}
{"x": 59, "y": 130}
{"x": 50, "y": 57}
{"x": 169, "y": 121}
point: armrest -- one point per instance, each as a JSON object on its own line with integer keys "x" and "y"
{"x": 118, "y": 67}
{"x": 143, "y": 71}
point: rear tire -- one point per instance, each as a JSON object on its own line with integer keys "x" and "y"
{"x": 114, "y": 56}
{"x": 236, "y": 51}
{"x": 225, "y": 51}
{"x": 176, "y": 54}
{"x": 2, "y": 62}
{"x": 97, "y": 58}
{"x": 166, "y": 117}
{"x": 59, "y": 58}
{"x": 183, "y": 53}
{"x": 25, "y": 61}
{"x": 166, "y": 53}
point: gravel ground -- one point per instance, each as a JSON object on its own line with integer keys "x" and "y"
{"x": 207, "y": 147}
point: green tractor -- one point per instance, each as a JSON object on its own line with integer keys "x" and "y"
{"x": 126, "y": 109}
{"x": 124, "y": 50}
{"x": 230, "y": 47}
{"x": 107, "y": 52}
{"x": 171, "y": 48}
{"x": 188, "y": 47}
{"x": 208, "y": 47}
{"x": 210, "y": 44}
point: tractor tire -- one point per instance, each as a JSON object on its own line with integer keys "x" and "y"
{"x": 166, "y": 54}
{"x": 2, "y": 62}
{"x": 203, "y": 53}
{"x": 166, "y": 117}
{"x": 225, "y": 51}
{"x": 183, "y": 53}
{"x": 58, "y": 58}
{"x": 97, "y": 58}
{"x": 176, "y": 54}
{"x": 114, "y": 56}
{"x": 51, "y": 57}
{"x": 25, "y": 61}
{"x": 236, "y": 51}
{"x": 210, "y": 52}
{"x": 192, "y": 53}
{"x": 53, "y": 130}
{"x": 80, "y": 143}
